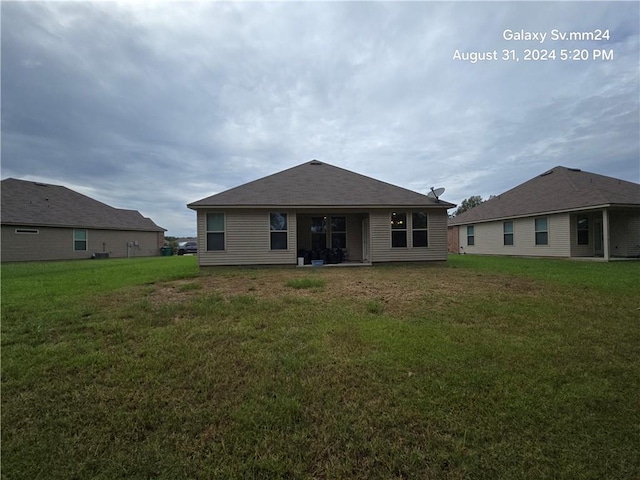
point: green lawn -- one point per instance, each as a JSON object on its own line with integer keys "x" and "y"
{"x": 480, "y": 368}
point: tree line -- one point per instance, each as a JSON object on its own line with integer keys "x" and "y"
{"x": 469, "y": 203}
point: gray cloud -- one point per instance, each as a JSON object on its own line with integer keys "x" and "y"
{"x": 151, "y": 106}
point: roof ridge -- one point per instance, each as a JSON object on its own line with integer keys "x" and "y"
{"x": 557, "y": 189}
{"x": 24, "y": 202}
{"x": 321, "y": 184}
{"x": 564, "y": 171}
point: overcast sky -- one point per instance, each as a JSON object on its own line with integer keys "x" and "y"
{"x": 152, "y": 106}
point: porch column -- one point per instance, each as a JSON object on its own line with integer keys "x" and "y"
{"x": 605, "y": 234}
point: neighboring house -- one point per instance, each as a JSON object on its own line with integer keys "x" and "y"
{"x": 317, "y": 206}
{"x": 563, "y": 212}
{"x": 51, "y": 222}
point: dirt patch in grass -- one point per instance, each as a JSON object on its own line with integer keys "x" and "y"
{"x": 397, "y": 288}
{"x": 177, "y": 291}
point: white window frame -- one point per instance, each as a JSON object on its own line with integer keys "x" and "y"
{"x": 505, "y": 233}
{"x": 223, "y": 232}
{"x": 85, "y": 240}
{"x": 272, "y": 231}
{"x": 536, "y": 231}
{"x": 405, "y": 229}
{"x": 421, "y": 229}
{"x": 472, "y": 235}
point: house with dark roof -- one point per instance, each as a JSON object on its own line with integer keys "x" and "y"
{"x": 51, "y": 222}
{"x": 316, "y": 211}
{"x": 564, "y": 212}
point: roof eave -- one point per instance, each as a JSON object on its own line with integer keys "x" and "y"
{"x": 549, "y": 212}
{"x": 441, "y": 205}
{"x": 87, "y": 227}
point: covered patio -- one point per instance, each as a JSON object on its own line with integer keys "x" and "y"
{"x": 338, "y": 237}
{"x": 607, "y": 234}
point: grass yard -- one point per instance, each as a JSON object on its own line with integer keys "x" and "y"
{"x": 480, "y": 368}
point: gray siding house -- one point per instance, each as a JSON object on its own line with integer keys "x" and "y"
{"x": 51, "y": 222}
{"x": 316, "y": 206}
{"x": 563, "y": 212}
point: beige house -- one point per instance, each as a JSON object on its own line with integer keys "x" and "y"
{"x": 319, "y": 211}
{"x": 51, "y": 222}
{"x": 563, "y": 212}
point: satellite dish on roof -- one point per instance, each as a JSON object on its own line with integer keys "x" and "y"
{"x": 435, "y": 193}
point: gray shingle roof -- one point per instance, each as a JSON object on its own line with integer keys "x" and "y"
{"x": 40, "y": 204}
{"x": 559, "y": 189}
{"x": 318, "y": 184}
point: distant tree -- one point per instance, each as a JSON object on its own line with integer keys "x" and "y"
{"x": 468, "y": 204}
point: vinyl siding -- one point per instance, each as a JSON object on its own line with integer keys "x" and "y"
{"x": 381, "y": 250}
{"x": 57, "y": 244}
{"x": 489, "y": 238}
{"x": 247, "y": 239}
